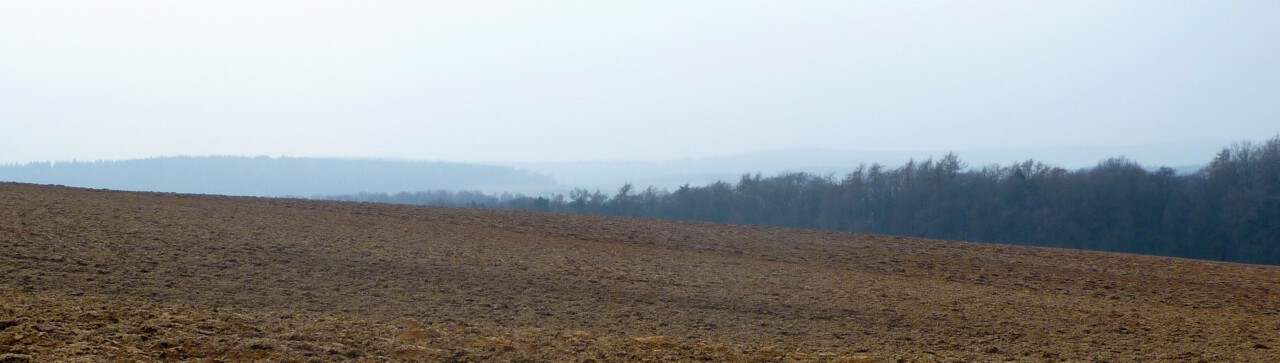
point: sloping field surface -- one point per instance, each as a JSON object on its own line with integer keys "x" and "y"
{"x": 99, "y": 275}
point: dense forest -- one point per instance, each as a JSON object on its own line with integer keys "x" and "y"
{"x": 1229, "y": 210}
{"x": 275, "y": 177}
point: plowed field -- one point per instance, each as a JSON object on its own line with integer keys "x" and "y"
{"x": 99, "y": 275}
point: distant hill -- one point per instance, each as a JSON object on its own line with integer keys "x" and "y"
{"x": 273, "y": 177}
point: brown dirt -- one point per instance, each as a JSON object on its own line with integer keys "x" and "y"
{"x": 99, "y": 275}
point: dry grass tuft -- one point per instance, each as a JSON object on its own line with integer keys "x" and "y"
{"x": 655, "y": 341}
{"x": 416, "y": 334}
{"x": 416, "y": 353}
{"x": 855, "y": 359}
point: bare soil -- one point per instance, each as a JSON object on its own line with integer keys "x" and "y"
{"x": 89, "y": 275}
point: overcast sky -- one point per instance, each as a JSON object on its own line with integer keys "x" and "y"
{"x": 490, "y": 81}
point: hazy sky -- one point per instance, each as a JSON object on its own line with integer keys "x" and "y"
{"x": 573, "y": 80}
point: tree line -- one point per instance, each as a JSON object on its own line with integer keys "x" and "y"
{"x": 1228, "y": 211}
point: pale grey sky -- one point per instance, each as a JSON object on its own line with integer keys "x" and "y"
{"x": 488, "y": 81}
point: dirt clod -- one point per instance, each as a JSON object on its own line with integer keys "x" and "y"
{"x": 14, "y": 358}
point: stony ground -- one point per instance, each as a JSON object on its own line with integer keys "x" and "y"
{"x": 100, "y": 276}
